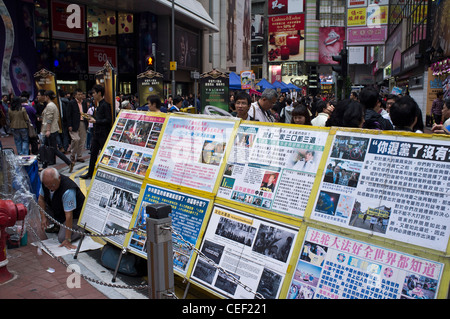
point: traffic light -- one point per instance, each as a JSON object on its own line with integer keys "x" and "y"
{"x": 162, "y": 63}
{"x": 150, "y": 62}
{"x": 342, "y": 59}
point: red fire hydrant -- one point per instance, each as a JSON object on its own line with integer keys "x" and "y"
{"x": 9, "y": 214}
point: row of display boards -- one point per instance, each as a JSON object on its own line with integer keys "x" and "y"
{"x": 291, "y": 211}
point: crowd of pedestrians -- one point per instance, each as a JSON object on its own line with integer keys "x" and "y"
{"x": 82, "y": 121}
{"x": 86, "y": 118}
{"x": 369, "y": 109}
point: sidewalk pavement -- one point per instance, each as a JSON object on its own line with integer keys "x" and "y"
{"x": 39, "y": 276}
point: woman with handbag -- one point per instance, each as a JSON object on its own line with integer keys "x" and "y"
{"x": 19, "y": 118}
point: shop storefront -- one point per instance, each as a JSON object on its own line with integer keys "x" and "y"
{"x": 74, "y": 44}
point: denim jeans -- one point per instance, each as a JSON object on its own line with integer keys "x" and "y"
{"x": 22, "y": 141}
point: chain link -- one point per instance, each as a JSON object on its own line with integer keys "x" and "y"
{"x": 230, "y": 276}
{"x": 190, "y": 246}
{"x": 84, "y": 233}
{"x": 63, "y": 262}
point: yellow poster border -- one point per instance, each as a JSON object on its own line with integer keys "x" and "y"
{"x": 227, "y": 152}
{"x": 178, "y": 189}
{"x": 373, "y": 240}
{"x": 319, "y": 176}
{"x": 321, "y": 164}
{"x": 282, "y": 219}
{"x": 300, "y": 223}
{"x": 111, "y": 169}
{"x": 137, "y": 180}
{"x": 146, "y": 113}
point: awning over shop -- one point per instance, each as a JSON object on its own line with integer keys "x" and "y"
{"x": 190, "y": 12}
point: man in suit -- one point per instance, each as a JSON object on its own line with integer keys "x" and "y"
{"x": 102, "y": 121}
{"x": 77, "y": 125}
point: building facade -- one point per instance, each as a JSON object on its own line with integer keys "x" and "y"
{"x": 75, "y": 43}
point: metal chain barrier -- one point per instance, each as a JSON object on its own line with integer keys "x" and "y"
{"x": 8, "y": 161}
{"x": 62, "y": 261}
{"x": 231, "y": 277}
{"x": 114, "y": 233}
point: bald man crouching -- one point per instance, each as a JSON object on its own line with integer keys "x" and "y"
{"x": 64, "y": 199}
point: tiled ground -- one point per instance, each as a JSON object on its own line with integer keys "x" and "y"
{"x": 33, "y": 281}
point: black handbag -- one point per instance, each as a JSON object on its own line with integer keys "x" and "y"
{"x": 47, "y": 155}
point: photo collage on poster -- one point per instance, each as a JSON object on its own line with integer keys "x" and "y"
{"x": 394, "y": 188}
{"x": 336, "y": 267}
{"x": 273, "y": 167}
{"x": 254, "y": 250}
{"x": 188, "y": 213}
{"x": 132, "y": 143}
{"x": 110, "y": 204}
{"x": 194, "y": 149}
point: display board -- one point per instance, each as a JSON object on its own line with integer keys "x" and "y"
{"x": 332, "y": 266}
{"x": 368, "y": 217}
{"x": 254, "y": 249}
{"x": 133, "y": 141}
{"x": 193, "y": 151}
{"x": 110, "y": 204}
{"x": 273, "y": 167}
{"x": 390, "y": 186}
{"x": 188, "y": 213}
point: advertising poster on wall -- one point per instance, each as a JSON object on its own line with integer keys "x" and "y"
{"x": 393, "y": 187}
{"x": 188, "y": 212}
{"x": 110, "y": 205}
{"x": 377, "y": 15}
{"x": 193, "y": 151}
{"x": 272, "y": 167}
{"x": 132, "y": 143}
{"x": 186, "y": 49}
{"x": 331, "y": 42}
{"x": 335, "y": 267}
{"x": 61, "y": 20}
{"x": 287, "y": 38}
{"x": 98, "y": 55}
{"x": 356, "y": 17}
{"x": 255, "y": 251}
{"x": 285, "y": 6}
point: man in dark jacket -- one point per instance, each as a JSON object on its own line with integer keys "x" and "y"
{"x": 369, "y": 97}
{"x": 77, "y": 125}
{"x": 64, "y": 199}
{"x": 102, "y": 121}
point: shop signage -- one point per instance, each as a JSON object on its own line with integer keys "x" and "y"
{"x": 409, "y": 60}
